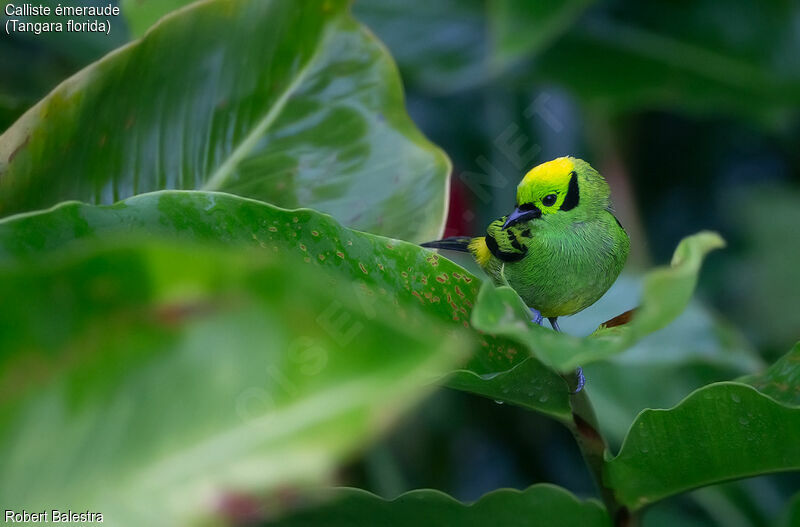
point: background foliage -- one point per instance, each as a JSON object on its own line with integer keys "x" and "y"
{"x": 690, "y": 109}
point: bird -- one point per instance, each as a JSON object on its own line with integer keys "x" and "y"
{"x": 560, "y": 249}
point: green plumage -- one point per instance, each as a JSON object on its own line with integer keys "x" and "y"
{"x": 562, "y": 248}
{"x": 568, "y": 266}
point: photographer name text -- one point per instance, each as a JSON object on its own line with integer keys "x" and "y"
{"x": 52, "y": 516}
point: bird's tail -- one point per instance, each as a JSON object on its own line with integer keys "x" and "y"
{"x": 453, "y": 243}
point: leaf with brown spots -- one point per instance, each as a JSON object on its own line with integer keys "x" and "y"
{"x": 391, "y": 269}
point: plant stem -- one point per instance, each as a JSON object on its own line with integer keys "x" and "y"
{"x": 593, "y": 447}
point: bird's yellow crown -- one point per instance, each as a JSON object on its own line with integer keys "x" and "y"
{"x": 550, "y": 177}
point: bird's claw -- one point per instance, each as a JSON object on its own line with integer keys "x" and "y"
{"x": 537, "y": 319}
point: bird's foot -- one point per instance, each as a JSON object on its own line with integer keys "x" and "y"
{"x": 580, "y": 380}
{"x": 537, "y": 316}
{"x": 554, "y": 323}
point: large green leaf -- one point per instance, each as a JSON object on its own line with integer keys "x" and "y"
{"x": 289, "y": 101}
{"x": 382, "y": 268}
{"x": 696, "y": 349}
{"x": 176, "y": 377}
{"x": 537, "y": 505}
{"x": 720, "y": 432}
{"x": 529, "y": 384}
{"x": 666, "y": 292}
{"x": 516, "y": 28}
{"x": 781, "y": 381}
{"x": 141, "y": 14}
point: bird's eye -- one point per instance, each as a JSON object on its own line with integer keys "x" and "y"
{"x": 549, "y": 200}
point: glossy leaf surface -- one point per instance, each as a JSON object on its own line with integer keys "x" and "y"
{"x": 539, "y": 505}
{"x": 722, "y": 431}
{"x": 781, "y": 381}
{"x": 666, "y": 293}
{"x": 141, "y": 14}
{"x": 177, "y": 377}
{"x": 380, "y": 268}
{"x": 214, "y": 99}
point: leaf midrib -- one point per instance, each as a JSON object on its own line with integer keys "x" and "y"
{"x": 220, "y": 176}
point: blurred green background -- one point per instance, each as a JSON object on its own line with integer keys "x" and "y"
{"x": 690, "y": 110}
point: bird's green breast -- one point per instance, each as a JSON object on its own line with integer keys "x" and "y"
{"x": 566, "y": 267}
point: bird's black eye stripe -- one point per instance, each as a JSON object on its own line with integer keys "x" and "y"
{"x": 526, "y": 207}
{"x": 573, "y": 193}
{"x": 549, "y": 200}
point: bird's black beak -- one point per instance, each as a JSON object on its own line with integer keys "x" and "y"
{"x": 528, "y": 212}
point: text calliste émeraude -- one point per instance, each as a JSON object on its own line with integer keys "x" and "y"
{"x": 60, "y": 10}
{"x": 30, "y": 25}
